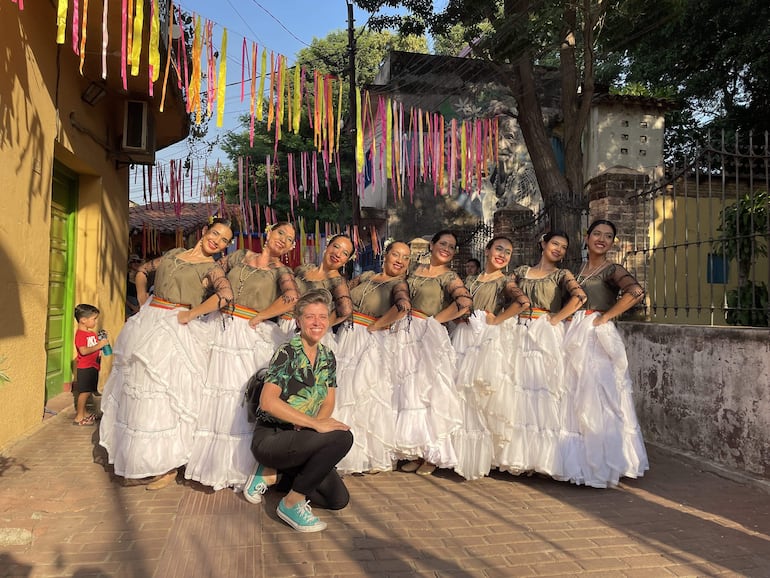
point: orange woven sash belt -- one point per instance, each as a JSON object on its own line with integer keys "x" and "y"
{"x": 163, "y": 304}
{"x": 587, "y": 312}
{"x": 244, "y": 312}
{"x": 361, "y": 319}
{"x": 419, "y": 314}
{"x": 534, "y": 313}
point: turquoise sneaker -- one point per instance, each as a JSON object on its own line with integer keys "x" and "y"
{"x": 300, "y": 517}
{"x": 255, "y": 486}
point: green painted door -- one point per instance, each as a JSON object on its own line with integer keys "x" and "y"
{"x": 60, "y": 325}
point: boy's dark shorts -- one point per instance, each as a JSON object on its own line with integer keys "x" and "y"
{"x": 88, "y": 380}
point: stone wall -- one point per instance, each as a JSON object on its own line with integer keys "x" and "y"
{"x": 703, "y": 390}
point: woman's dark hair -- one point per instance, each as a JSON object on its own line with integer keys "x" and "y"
{"x": 278, "y": 224}
{"x": 221, "y": 221}
{"x": 610, "y": 224}
{"x": 498, "y": 238}
{"x": 389, "y": 246}
{"x": 551, "y": 234}
{"x": 440, "y": 234}
{"x": 224, "y": 222}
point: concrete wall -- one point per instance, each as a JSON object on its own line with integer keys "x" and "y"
{"x": 704, "y": 390}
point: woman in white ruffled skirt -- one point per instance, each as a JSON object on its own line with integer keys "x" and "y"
{"x": 428, "y": 408}
{"x": 484, "y": 345}
{"x": 534, "y": 428}
{"x": 240, "y": 345}
{"x": 597, "y": 367}
{"x": 151, "y": 399}
{"x": 365, "y": 385}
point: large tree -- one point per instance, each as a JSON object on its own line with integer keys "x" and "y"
{"x": 524, "y": 35}
{"x": 711, "y": 54}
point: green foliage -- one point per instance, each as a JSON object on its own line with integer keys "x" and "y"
{"x": 329, "y": 55}
{"x": 334, "y": 205}
{"x": 748, "y": 305}
{"x": 713, "y": 53}
{"x": 744, "y": 232}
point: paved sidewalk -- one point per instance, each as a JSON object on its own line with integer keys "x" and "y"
{"x": 63, "y": 514}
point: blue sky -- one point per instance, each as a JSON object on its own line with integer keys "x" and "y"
{"x": 283, "y": 26}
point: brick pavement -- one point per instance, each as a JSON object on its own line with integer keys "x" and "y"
{"x": 62, "y": 514}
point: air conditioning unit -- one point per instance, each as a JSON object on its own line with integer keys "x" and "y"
{"x": 138, "y": 129}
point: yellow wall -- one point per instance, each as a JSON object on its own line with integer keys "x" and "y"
{"x": 36, "y": 127}
{"x": 678, "y": 265}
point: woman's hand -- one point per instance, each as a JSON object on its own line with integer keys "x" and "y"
{"x": 600, "y": 320}
{"x": 552, "y": 320}
{"x": 254, "y": 321}
{"x": 327, "y": 424}
{"x": 141, "y": 297}
{"x": 184, "y": 317}
{"x": 491, "y": 318}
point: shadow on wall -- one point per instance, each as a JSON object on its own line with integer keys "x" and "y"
{"x": 21, "y": 128}
{"x": 13, "y": 322}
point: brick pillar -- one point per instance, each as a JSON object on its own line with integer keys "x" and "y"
{"x": 614, "y": 195}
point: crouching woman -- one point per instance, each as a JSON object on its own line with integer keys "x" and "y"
{"x": 296, "y": 441}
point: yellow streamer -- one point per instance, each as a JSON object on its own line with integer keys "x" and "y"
{"x": 83, "y": 32}
{"x": 222, "y": 78}
{"x": 155, "y": 41}
{"x": 129, "y": 31}
{"x": 261, "y": 93}
{"x": 359, "y": 134}
{"x": 61, "y": 21}
{"x": 195, "y": 75}
{"x": 136, "y": 47}
{"x": 280, "y": 111}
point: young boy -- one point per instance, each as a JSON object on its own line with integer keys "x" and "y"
{"x": 88, "y": 346}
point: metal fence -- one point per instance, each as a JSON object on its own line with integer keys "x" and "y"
{"x": 700, "y": 237}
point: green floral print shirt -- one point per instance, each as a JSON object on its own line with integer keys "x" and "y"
{"x": 303, "y": 386}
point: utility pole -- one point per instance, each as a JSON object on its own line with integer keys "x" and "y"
{"x": 353, "y": 111}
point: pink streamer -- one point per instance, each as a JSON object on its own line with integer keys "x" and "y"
{"x": 75, "y": 26}
{"x": 123, "y": 45}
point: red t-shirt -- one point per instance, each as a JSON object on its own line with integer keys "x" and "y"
{"x": 87, "y": 339}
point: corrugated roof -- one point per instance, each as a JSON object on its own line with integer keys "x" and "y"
{"x": 163, "y": 217}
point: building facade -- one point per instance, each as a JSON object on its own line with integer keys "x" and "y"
{"x": 65, "y": 153}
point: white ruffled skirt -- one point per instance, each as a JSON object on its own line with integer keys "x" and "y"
{"x": 428, "y": 408}
{"x": 602, "y": 403}
{"x": 221, "y": 450}
{"x": 364, "y": 399}
{"x": 525, "y": 407}
{"x": 472, "y": 441}
{"x": 152, "y": 397}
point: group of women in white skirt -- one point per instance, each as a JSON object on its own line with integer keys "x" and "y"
{"x": 533, "y": 378}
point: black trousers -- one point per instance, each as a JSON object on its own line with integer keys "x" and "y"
{"x": 306, "y": 459}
